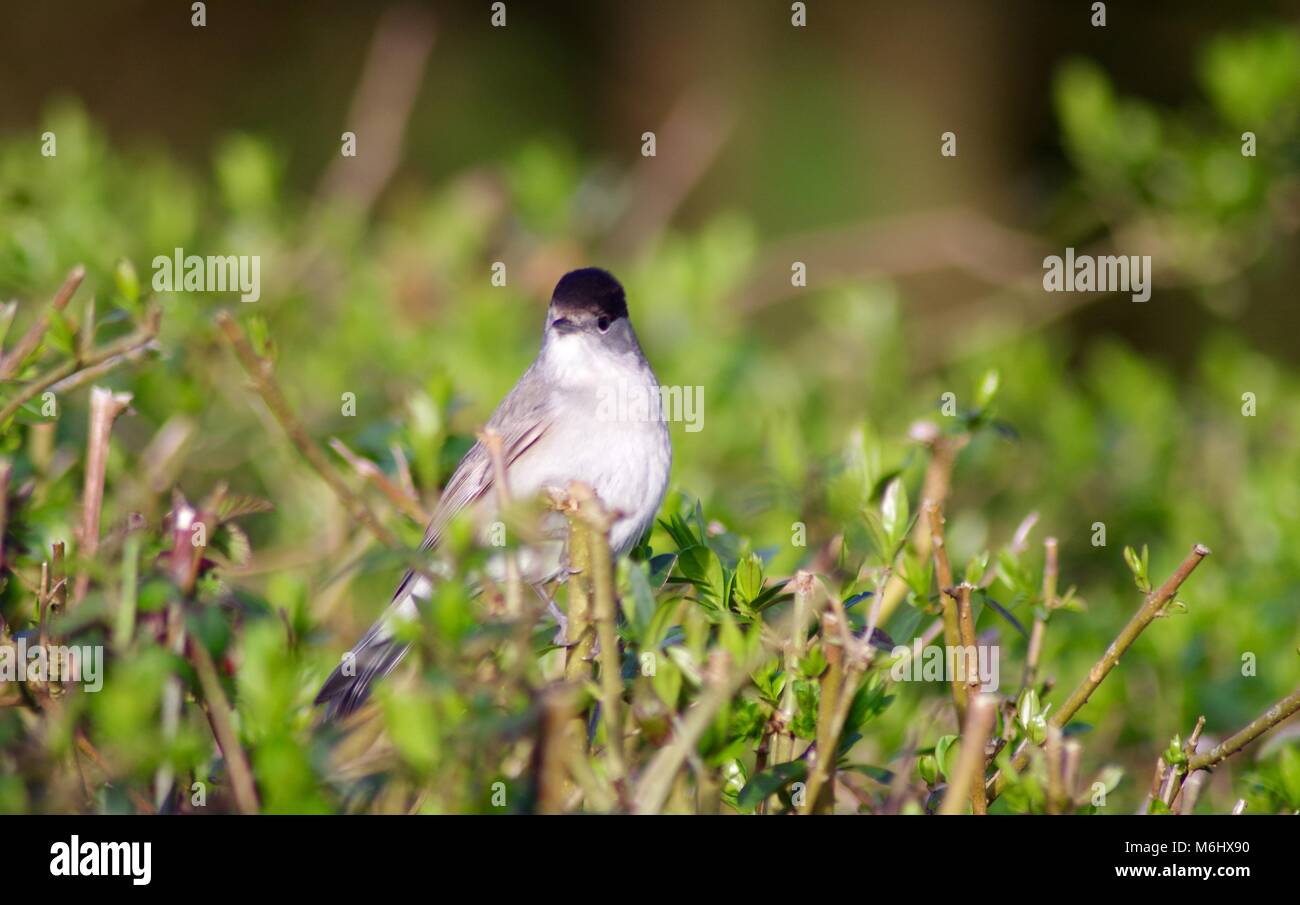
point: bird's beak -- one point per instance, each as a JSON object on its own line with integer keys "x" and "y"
{"x": 563, "y": 325}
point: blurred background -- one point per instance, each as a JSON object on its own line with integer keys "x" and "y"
{"x": 774, "y": 145}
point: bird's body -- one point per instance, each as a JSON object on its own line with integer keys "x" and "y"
{"x": 556, "y": 427}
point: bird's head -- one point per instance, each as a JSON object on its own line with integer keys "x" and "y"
{"x": 588, "y": 314}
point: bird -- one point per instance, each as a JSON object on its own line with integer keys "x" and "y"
{"x": 555, "y": 427}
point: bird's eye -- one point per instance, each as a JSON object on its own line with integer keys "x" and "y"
{"x": 602, "y": 323}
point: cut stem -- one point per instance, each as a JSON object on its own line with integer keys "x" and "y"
{"x": 1152, "y": 606}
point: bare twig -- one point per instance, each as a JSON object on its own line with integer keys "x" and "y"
{"x": 602, "y": 587}
{"x": 958, "y": 239}
{"x": 119, "y": 351}
{"x": 951, "y": 624}
{"x": 406, "y": 503}
{"x": 1050, "y": 573}
{"x": 381, "y": 106}
{"x": 580, "y": 632}
{"x": 968, "y": 783}
{"x": 820, "y": 795}
{"x": 58, "y": 588}
{"x": 91, "y": 374}
{"x": 934, "y": 490}
{"x": 105, "y": 407}
{"x": 223, "y": 727}
{"x": 404, "y": 472}
{"x": 1280, "y": 711}
{"x": 1152, "y": 606}
{"x": 259, "y": 370}
{"x": 558, "y": 706}
{"x": 970, "y": 656}
{"x": 783, "y": 739}
{"x": 30, "y": 340}
{"x": 690, "y": 140}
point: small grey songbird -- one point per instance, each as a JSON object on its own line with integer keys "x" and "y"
{"x": 556, "y": 426}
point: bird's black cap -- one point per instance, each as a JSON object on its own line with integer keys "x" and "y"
{"x": 590, "y": 290}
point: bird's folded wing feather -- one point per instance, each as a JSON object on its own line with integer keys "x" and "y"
{"x": 521, "y": 419}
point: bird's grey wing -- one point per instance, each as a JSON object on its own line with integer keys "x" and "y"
{"x": 521, "y": 419}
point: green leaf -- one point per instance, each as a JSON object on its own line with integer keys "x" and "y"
{"x": 807, "y": 696}
{"x": 701, "y": 567}
{"x": 771, "y": 596}
{"x": 731, "y": 638}
{"x": 988, "y": 388}
{"x": 763, "y": 785}
{"x": 945, "y": 753}
{"x": 749, "y": 578}
{"x": 660, "y": 567}
{"x": 127, "y": 281}
{"x": 660, "y": 623}
{"x": 918, "y": 573}
{"x": 928, "y": 769}
{"x": 667, "y": 682}
{"x": 879, "y": 774}
{"x": 639, "y": 606}
{"x": 879, "y": 536}
{"x": 1138, "y": 566}
{"x": 869, "y": 702}
{"x": 1288, "y": 765}
{"x": 894, "y": 512}
{"x": 61, "y": 333}
{"x": 813, "y": 663}
{"x": 975, "y": 569}
{"x": 1174, "y": 754}
{"x": 770, "y": 680}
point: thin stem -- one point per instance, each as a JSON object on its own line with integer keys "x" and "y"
{"x": 1051, "y": 570}
{"x": 1247, "y": 734}
{"x": 124, "y": 625}
{"x": 951, "y": 627}
{"x": 105, "y": 407}
{"x": 119, "y": 350}
{"x": 970, "y": 657}
{"x": 969, "y": 780}
{"x": 259, "y": 371}
{"x": 223, "y": 727}
{"x": 934, "y": 491}
{"x": 783, "y": 740}
{"x": 602, "y": 586}
{"x": 820, "y": 797}
{"x": 580, "y": 635}
{"x": 405, "y": 502}
{"x": 30, "y": 340}
{"x": 558, "y": 713}
{"x": 1151, "y": 607}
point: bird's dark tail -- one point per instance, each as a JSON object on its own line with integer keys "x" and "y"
{"x": 348, "y": 687}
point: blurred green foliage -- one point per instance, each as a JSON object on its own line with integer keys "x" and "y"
{"x": 807, "y": 434}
